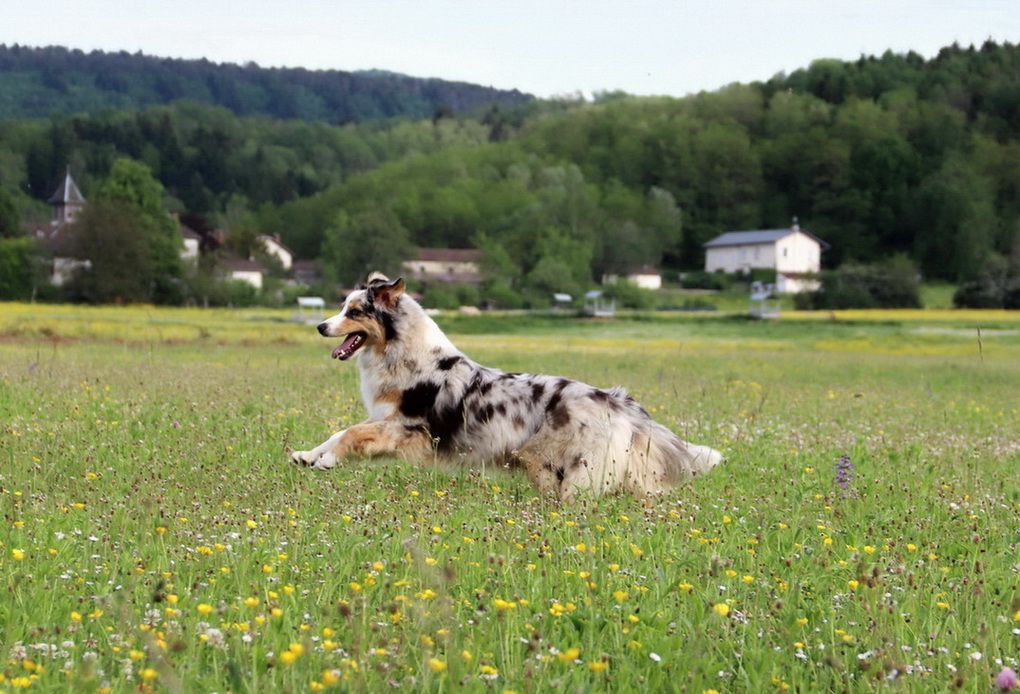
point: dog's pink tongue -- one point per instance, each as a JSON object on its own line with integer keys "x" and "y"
{"x": 345, "y": 346}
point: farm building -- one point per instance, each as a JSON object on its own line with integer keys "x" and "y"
{"x": 793, "y": 253}
{"x": 445, "y": 265}
{"x": 646, "y": 277}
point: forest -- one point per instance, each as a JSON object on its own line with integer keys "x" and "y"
{"x": 890, "y": 155}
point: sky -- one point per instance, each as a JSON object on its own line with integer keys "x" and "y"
{"x": 544, "y": 47}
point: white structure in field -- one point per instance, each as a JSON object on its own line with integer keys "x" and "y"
{"x": 646, "y": 277}
{"x": 793, "y": 253}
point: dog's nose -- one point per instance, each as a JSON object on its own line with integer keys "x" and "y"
{"x": 323, "y": 328}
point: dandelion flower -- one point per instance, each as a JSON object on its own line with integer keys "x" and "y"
{"x": 721, "y": 609}
{"x": 569, "y": 655}
{"x": 437, "y": 665}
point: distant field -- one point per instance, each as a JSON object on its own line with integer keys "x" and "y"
{"x": 153, "y": 536}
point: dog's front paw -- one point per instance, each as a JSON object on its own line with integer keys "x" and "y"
{"x": 302, "y": 458}
{"x": 326, "y": 461}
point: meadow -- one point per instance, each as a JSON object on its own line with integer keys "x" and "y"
{"x": 862, "y": 535}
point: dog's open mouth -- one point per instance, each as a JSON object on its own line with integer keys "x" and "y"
{"x": 351, "y": 344}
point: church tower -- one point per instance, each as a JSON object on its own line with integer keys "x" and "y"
{"x": 67, "y": 201}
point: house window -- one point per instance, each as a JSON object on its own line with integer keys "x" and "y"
{"x": 784, "y": 251}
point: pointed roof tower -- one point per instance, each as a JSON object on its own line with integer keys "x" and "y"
{"x": 67, "y": 200}
{"x": 68, "y": 192}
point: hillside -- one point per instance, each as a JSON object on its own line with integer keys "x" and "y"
{"x": 887, "y": 155}
{"x": 42, "y": 82}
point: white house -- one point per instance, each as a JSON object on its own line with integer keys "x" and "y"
{"x": 250, "y": 271}
{"x": 646, "y": 277}
{"x": 191, "y": 240}
{"x": 793, "y": 253}
{"x": 445, "y": 265}
{"x": 274, "y": 247}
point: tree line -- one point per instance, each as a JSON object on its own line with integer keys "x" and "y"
{"x": 41, "y": 82}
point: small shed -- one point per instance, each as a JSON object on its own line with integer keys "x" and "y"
{"x": 596, "y": 305}
{"x": 310, "y": 309}
{"x": 760, "y": 304}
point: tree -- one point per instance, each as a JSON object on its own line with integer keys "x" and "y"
{"x": 120, "y": 269}
{"x": 10, "y": 223}
{"x": 131, "y": 185}
{"x": 370, "y": 240}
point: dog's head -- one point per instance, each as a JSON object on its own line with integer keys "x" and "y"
{"x": 367, "y": 316}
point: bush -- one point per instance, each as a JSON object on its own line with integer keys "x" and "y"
{"x": 501, "y": 295}
{"x": 629, "y": 295}
{"x": 700, "y": 279}
{"x": 889, "y": 284}
{"x": 997, "y": 285}
{"x": 240, "y": 294}
{"x": 16, "y": 266}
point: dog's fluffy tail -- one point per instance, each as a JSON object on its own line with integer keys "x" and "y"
{"x": 675, "y": 460}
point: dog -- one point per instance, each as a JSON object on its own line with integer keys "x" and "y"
{"x": 428, "y": 402}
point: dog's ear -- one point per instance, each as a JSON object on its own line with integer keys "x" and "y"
{"x": 375, "y": 276}
{"x": 387, "y": 293}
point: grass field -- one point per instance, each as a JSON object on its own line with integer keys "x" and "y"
{"x": 154, "y": 538}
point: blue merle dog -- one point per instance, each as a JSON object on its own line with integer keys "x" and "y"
{"x": 427, "y": 401}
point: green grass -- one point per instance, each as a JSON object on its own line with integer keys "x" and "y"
{"x": 151, "y": 527}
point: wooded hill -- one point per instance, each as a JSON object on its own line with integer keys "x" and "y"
{"x": 885, "y": 155}
{"x": 42, "y": 82}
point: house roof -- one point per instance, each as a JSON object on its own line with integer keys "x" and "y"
{"x": 449, "y": 255}
{"x": 188, "y": 233}
{"x": 67, "y": 192}
{"x": 274, "y": 239}
{"x": 644, "y": 270}
{"x": 758, "y": 236}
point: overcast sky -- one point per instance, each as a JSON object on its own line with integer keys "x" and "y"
{"x": 545, "y": 47}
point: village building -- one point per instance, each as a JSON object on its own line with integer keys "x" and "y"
{"x": 192, "y": 242}
{"x": 795, "y": 255}
{"x": 66, "y": 201}
{"x": 274, "y": 247}
{"x": 445, "y": 265}
{"x": 645, "y": 277}
{"x": 244, "y": 270}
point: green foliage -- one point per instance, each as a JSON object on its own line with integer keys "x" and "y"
{"x": 629, "y": 295}
{"x": 17, "y": 263}
{"x": 889, "y": 284}
{"x": 38, "y": 82}
{"x": 995, "y": 285}
{"x": 367, "y": 241}
{"x": 131, "y": 184}
{"x": 699, "y": 279}
{"x": 10, "y": 220}
{"x": 111, "y": 236}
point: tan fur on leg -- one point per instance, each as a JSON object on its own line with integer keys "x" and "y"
{"x": 383, "y": 438}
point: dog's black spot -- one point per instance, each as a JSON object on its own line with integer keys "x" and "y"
{"x": 537, "y": 391}
{"x": 562, "y": 383}
{"x": 444, "y": 425}
{"x": 419, "y": 399}
{"x": 508, "y": 376}
{"x": 486, "y": 387}
{"x": 578, "y": 462}
{"x": 388, "y": 325}
{"x": 484, "y": 414}
{"x": 447, "y": 363}
{"x": 559, "y": 417}
{"x": 554, "y": 401}
{"x": 598, "y": 395}
{"x": 560, "y": 474}
{"x": 500, "y": 408}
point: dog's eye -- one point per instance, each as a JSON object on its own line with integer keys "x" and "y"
{"x": 354, "y": 312}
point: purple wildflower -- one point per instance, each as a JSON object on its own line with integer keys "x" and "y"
{"x": 845, "y": 474}
{"x": 1006, "y": 680}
